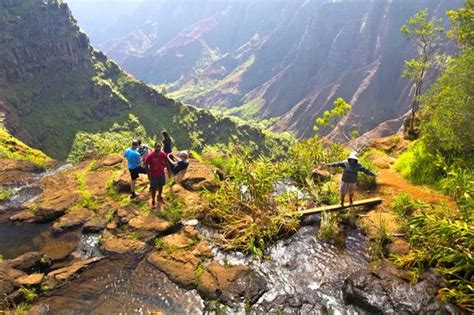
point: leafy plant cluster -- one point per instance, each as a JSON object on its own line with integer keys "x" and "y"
{"x": 247, "y": 210}
{"x": 12, "y": 148}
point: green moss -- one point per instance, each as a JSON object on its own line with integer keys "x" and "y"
{"x": 4, "y": 194}
{"x": 12, "y": 148}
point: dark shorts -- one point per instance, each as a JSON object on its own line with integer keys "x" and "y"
{"x": 135, "y": 173}
{"x": 157, "y": 182}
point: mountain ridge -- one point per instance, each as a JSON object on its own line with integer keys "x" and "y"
{"x": 307, "y": 54}
{"x": 54, "y": 83}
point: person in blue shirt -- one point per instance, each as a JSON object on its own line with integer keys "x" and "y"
{"x": 134, "y": 165}
{"x": 351, "y": 167}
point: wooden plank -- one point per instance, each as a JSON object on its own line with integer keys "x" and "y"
{"x": 358, "y": 203}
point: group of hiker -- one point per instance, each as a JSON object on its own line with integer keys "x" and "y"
{"x": 157, "y": 163}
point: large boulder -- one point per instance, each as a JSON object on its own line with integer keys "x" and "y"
{"x": 231, "y": 284}
{"x": 381, "y": 292}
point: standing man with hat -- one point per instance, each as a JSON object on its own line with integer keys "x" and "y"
{"x": 351, "y": 168}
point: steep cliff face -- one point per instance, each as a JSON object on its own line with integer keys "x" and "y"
{"x": 285, "y": 59}
{"x": 53, "y": 83}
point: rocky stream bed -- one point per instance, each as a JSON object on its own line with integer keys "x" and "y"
{"x": 84, "y": 261}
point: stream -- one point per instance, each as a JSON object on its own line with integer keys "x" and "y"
{"x": 304, "y": 274}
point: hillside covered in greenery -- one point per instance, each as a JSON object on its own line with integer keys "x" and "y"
{"x": 54, "y": 84}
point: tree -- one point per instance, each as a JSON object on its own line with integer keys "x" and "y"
{"x": 427, "y": 36}
{"x": 329, "y": 118}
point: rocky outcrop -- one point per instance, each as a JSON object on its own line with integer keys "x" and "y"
{"x": 380, "y": 292}
{"x": 17, "y": 171}
{"x": 231, "y": 284}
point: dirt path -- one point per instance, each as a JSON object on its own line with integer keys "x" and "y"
{"x": 391, "y": 184}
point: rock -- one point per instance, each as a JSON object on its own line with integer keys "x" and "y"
{"x": 231, "y": 284}
{"x": 123, "y": 246}
{"x": 144, "y": 222}
{"x": 30, "y": 280}
{"x": 126, "y": 214}
{"x": 180, "y": 267}
{"x": 74, "y": 217}
{"x": 54, "y": 206}
{"x": 94, "y": 225}
{"x": 202, "y": 249}
{"x": 65, "y": 273}
{"x": 109, "y": 161}
{"x": 59, "y": 247}
{"x": 382, "y": 292}
{"x": 98, "y": 183}
{"x": 25, "y": 215}
{"x": 26, "y": 262}
{"x": 381, "y": 160}
{"x": 15, "y": 171}
{"x": 199, "y": 176}
{"x": 7, "y": 286}
{"x": 320, "y": 175}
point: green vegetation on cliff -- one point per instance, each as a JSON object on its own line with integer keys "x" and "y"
{"x": 54, "y": 84}
{"x": 12, "y": 148}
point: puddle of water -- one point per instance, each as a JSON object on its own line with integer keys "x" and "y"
{"x": 17, "y": 239}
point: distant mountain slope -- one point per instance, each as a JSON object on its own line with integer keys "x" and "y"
{"x": 286, "y": 59}
{"x": 53, "y": 84}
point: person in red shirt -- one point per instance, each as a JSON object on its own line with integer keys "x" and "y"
{"x": 156, "y": 162}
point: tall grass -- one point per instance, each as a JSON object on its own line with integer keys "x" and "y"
{"x": 447, "y": 244}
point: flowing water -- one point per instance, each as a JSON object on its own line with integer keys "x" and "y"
{"x": 304, "y": 274}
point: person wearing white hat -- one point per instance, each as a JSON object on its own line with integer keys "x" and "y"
{"x": 351, "y": 168}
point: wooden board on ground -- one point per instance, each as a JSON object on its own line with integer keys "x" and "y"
{"x": 358, "y": 203}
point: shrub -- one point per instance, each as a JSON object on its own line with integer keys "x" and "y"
{"x": 405, "y": 205}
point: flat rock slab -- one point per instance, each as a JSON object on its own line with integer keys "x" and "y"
{"x": 30, "y": 280}
{"x": 149, "y": 223}
{"x": 180, "y": 267}
{"x": 65, "y": 273}
{"x": 14, "y": 171}
{"x": 74, "y": 217}
{"x": 123, "y": 246}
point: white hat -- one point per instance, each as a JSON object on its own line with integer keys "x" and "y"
{"x": 353, "y": 156}
{"x": 183, "y": 154}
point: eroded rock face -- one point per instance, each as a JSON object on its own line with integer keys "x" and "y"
{"x": 380, "y": 292}
{"x": 231, "y": 284}
{"x": 30, "y": 280}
